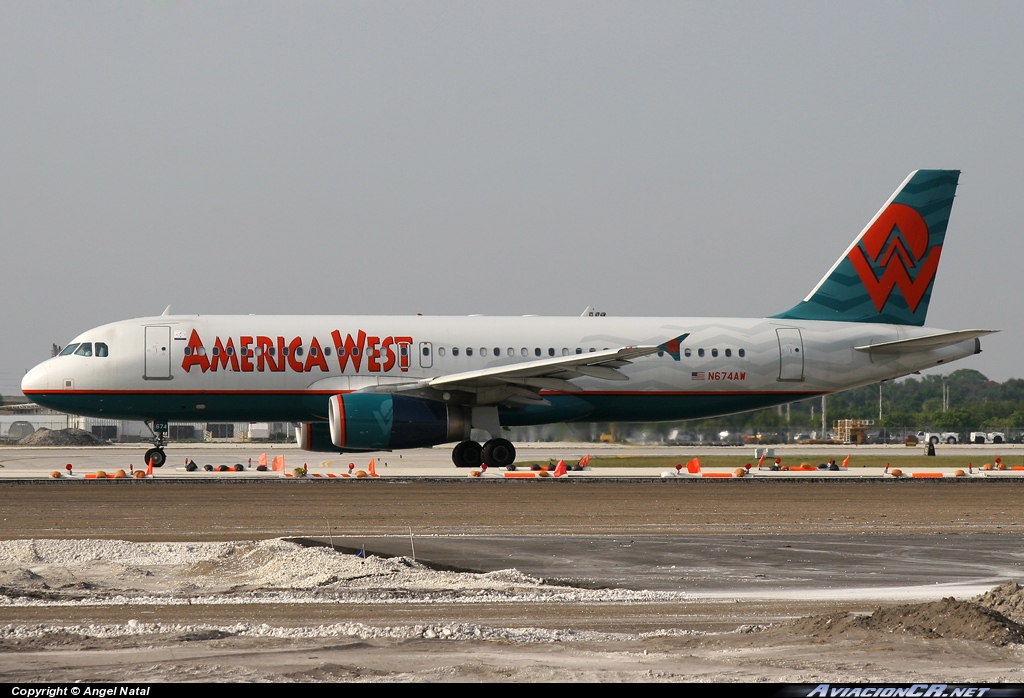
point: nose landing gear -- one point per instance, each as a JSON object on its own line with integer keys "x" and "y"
{"x": 156, "y": 455}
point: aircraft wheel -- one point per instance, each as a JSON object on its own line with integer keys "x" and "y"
{"x": 499, "y": 453}
{"x": 156, "y": 456}
{"x": 468, "y": 454}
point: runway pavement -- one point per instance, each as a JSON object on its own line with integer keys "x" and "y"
{"x": 34, "y": 462}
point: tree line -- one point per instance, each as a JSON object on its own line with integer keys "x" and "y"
{"x": 972, "y": 403}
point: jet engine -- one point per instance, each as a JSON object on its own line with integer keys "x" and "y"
{"x": 314, "y": 436}
{"x": 377, "y": 421}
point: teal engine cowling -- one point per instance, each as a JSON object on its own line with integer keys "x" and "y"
{"x": 314, "y": 436}
{"x": 380, "y": 421}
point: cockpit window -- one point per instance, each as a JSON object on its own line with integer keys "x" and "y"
{"x": 101, "y": 350}
{"x": 85, "y": 349}
{"x": 69, "y": 349}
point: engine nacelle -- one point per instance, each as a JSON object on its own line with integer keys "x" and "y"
{"x": 314, "y": 436}
{"x": 381, "y": 421}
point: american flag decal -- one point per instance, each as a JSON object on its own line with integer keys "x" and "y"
{"x": 698, "y": 375}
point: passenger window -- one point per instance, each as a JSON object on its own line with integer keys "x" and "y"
{"x": 101, "y": 350}
{"x": 578, "y": 350}
{"x": 455, "y": 351}
{"x": 483, "y": 351}
{"x": 565, "y": 352}
{"x": 230, "y": 351}
{"x": 551, "y": 351}
{"x": 440, "y": 351}
{"x": 525, "y": 351}
{"x": 511, "y": 351}
{"x": 84, "y": 349}
{"x": 327, "y": 351}
{"x": 728, "y": 352}
{"x": 312, "y": 352}
{"x": 714, "y": 352}
{"x": 426, "y": 351}
{"x": 299, "y": 351}
{"x": 469, "y": 351}
{"x": 700, "y": 353}
{"x": 686, "y": 353}
{"x": 742, "y": 352}
{"x": 536, "y": 352}
{"x": 68, "y": 350}
{"x": 272, "y": 351}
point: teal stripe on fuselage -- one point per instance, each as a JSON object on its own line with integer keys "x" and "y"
{"x": 303, "y": 407}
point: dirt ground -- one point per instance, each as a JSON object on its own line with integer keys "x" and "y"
{"x": 84, "y": 630}
{"x": 162, "y": 510}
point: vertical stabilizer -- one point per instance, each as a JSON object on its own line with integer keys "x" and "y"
{"x": 887, "y": 274}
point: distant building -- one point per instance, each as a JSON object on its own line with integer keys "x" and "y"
{"x": 18, "y": 421}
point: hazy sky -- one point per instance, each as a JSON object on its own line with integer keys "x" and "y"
{"x": 647, "y": 158}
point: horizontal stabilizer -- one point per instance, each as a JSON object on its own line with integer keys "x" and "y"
{"x": 932, "y": 341}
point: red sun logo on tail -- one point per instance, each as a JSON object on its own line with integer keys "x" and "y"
{"x": 896, "y": 243}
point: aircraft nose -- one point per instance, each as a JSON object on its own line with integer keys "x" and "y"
{"x": 36, "y": 380}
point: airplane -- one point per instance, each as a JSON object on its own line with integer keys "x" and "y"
{"x": 369, "y": 383}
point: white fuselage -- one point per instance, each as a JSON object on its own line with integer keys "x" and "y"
{"x": 191, "y": 368}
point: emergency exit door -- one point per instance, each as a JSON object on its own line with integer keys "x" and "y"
{"x": 158, "y": 353}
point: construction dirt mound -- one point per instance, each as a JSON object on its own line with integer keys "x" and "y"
{"x": 1008, "y": 599}
{"x": 62, "y": 437}
{"x": 948, "y": 618}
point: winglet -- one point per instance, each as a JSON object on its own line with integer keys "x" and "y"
{"x": 671, "y": 347}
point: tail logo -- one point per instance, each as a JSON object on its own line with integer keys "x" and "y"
{"x": 895, "y": 244}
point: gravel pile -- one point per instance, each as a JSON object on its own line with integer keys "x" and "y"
{"x": 62, "y": 437}
{"x": 104, "y": 572}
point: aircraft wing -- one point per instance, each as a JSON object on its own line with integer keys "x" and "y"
{"x": 519, "y": 383}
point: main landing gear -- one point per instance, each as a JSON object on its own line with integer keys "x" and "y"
{"x": 156, "y": 455}
{"x": 496, "y": 453}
